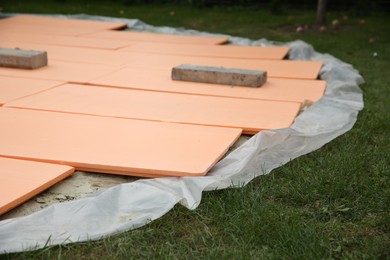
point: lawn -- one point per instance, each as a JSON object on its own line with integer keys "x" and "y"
{"x": 331, "y": 203}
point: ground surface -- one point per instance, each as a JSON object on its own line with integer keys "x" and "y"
{"x": 332, "y": 203}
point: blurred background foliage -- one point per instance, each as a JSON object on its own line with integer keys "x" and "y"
{"x": 358, "y": 7}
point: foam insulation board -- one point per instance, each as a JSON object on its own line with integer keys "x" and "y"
{"x": 63, "y": 71}
{"x": 76, "y": 54}
{"x": 294, "y": 90}
{"x": 218, "y": 51}
{"x": 275, "y": 68}
{"x": 61, "y": 40}
{"x": 56, "y": 26}
{"x": 113, "y": 145}
{"x": 12, "y": 88}
{"x": 157, "y": 37}
{"x": 21, "y": 180}
{"x": 248, "y": 114}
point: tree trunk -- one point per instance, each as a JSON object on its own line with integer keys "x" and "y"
{"x": 321, "y": 12}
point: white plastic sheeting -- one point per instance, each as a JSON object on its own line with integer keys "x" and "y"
{"x": 132, "y": 205}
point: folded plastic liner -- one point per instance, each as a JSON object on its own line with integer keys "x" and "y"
{"x": 131, "y": 205}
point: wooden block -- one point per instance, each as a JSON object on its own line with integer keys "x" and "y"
{"x": 22, "y": 59}
{"x": 219, "y": 75}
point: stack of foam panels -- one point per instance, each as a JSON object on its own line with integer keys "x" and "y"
{"x": 106, "y": 102}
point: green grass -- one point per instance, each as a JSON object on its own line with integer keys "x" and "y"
{"x": 332, "y": 203}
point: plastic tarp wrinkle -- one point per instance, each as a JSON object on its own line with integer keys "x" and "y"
{"x": 140, "y": 202}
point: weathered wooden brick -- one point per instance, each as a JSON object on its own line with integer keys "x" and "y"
{"x": 23, "y": 59}
{"x": 219, "y": 75}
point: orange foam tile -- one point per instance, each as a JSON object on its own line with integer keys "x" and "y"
{"x": 52, "y": 25}
{"x": 113, "y": 145}
{"x": 13, "y": 88}
{"x": 61, "y": 70}
{"x": 157, "y": 37}
{"x": 21, "y": 180}
{"x": 250, "y": 115}
{"x": 61, "y": 40}
{"x": 32, "y": 28}
{"x": 74, "y": 54}
{"x": 160, "y": 80}
{"x": 275, "y": 68}
{"x": 221, "y": 51}
{"x": 65, "y": 22}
